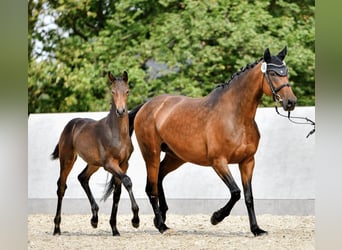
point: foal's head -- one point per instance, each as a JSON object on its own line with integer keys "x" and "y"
{"x": 275, "y": 71}
{"x": 120, "y": 92}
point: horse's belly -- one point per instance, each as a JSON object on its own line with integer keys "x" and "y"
{"x": 190, "y": 152}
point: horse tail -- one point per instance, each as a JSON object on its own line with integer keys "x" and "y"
{"x": 109, "y": 188}
{"x": 131, "y": 117}
{"x": 55, "y": 153}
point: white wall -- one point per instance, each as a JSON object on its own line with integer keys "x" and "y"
{"x": 284, "y": 163}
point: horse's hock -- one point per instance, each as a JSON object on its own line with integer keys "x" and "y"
{"x": 283, "y": 180}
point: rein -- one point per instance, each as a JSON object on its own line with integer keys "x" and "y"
{"x": 290, "y": 118}
{"x": 277, "y": 99}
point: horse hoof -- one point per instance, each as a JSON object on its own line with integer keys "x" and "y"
{"x": 93, "y": 223}
{"x": 163, "y": 228}
{"x": 160, "y": 225}
{"x": 57, "y": 231}
{"x": 116, "y": 233}
{"x": 215, "y": 219}
{"x": 258, "y": 232}
{"x": 135, "y": 222}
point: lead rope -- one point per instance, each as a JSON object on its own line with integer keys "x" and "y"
{"x": 308, "y": 121}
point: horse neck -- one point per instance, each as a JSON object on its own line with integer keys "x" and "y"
{"x": 118, "y": 126}
{"x": 243, "y": 94}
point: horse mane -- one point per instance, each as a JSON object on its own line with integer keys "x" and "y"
{"x": 236, "y": 74}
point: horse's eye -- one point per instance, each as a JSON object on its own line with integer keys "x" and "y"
{"x": 127, "y": 92}
{"x": 272, "y": 73}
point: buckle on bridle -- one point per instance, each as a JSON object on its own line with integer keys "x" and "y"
{"x": 277, "y": 97}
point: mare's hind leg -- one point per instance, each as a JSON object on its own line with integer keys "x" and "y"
{"x": 84, "y": 177}
{"x": 170, "y": 163}
{"x": 246, "y": 171}
{"x": 221, "y": 168}
{"x": 151, "y": 158}
{"x": 65, "y": 168}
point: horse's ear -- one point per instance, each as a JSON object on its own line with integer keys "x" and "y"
{"x": 267, "y": 55}
{"x": 282, "y": 53}
{"x": 111, "y": 77}
{"x": 125, "y": 76}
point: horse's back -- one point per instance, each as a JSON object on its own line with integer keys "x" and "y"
{"x": 76, "y": 123}
{"x": 72, "y": 129}
{"x": 160, "y": 108}
{"x": 177, "y": 121}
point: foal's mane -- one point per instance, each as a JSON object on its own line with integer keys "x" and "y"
{"x": 236, "y": 74}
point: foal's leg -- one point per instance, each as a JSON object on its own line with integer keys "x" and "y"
{"x": 116, "y": 199}
{"x": 246, "y": 171}
{"x": 114, "y": 168}
{"x": 126, "y": 181}
{"x": 221, "y": 168}
{"x": 84, "y": 177}
{"x": 170, "y": 163}
{"x": 65, "y": 168}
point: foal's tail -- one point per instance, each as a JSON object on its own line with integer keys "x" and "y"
{"x": 131, "y": 117}
{"x": 55, "y": 153}
{"x": 109, "y": 188}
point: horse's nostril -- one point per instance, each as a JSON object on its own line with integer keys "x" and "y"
{"x": 291, "y": 104}
{"x": 120, "y": 112}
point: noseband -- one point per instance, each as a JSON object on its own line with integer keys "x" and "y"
{"x": 280, "y": 70}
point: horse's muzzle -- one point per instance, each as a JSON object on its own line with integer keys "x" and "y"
{"x": 120, "y": 112}
{"x": 289, "y": 104}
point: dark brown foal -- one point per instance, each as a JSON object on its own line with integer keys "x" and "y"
{"x": 104, "y": 143}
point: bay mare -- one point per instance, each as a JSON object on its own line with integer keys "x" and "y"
{"x": 216, "y": 130}
{"x": 106, "y": 143}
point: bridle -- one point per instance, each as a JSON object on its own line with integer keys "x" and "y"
{"x": 282, "y": 70}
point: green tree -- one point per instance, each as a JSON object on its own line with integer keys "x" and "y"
{"x": 166, "y": 46}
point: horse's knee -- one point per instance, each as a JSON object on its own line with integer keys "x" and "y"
{"x": 152, "y": 187}
{"x": 81, "y": 178}
{"x": 236, "y": 195}
{"x": 61, "y": 191}
{"x": 126, "y": 181}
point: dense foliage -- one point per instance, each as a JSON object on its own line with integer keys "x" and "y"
{"x": 167, "y": 46}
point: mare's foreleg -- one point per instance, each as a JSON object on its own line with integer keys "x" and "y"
{"x": 84, "y": 177}
{"x": 246, "y": 171}
{"x": 222, "y": 170}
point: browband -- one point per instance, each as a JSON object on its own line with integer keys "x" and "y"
{"x": 280, "y": 70}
